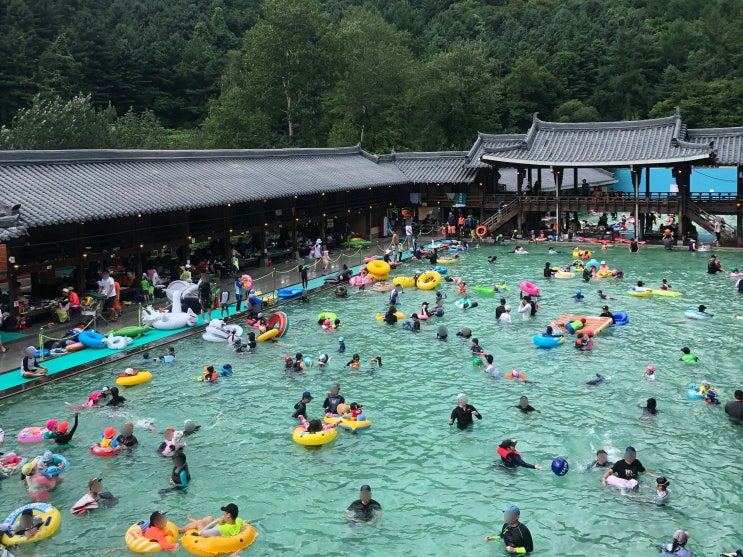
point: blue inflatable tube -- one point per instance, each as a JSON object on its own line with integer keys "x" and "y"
{"x": 694, "y": 314}
{"x": 289, "y": 292}
{"x": 592, "y": 263}
{"x": 91, "y": 339}
{"x": 51, "y": 471}
{"x": 40, "y": 353}
{"x": 544, "y": 341}
{"x": 620, "y": 319}
{"x": 441, "y": 270}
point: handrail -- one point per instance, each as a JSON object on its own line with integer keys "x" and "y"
{"x": 493, "y": 220}
{"x": 727, "y": 230}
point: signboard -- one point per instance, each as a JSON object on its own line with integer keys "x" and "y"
{"x": 460, "y": 199}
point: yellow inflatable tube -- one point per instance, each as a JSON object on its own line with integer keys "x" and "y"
{"x": 403, "y": 281}
{"x": 50, "y": 517}
{"x": 267, "y": 335}
{"x": 129, "y": 380}
{"x": 447, "y": 261}
{"x": 398, "y": 314}
{"x": 218, "y": 545}
{"x": 136, "y": 541}
{"x": 378, "y": 267}
{"x": 429, "y": 280}
{"x": 313, "y": 439}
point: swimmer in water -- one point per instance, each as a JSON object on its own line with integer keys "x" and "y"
{"x": 493, "y": 259}
{"x": 603, "y": 296}
{"x": 649, "y": 374}
{"x": 126, "y": 438}
{"x": 416, "y": 325}
{"x": 355, "y": 361}
{"x": 597, "y": 380}
{"x": 601, "y": 460}
{"x": 332, "y": 399}
{"x": 116, "y": 399}
{"x": 510, "y": 458}
{"x": 376, "y": 362}
{"x": 524, "y": 406}
{"x": 210, "y": 376}
{"x": 687, "y": 356}
{"x": 475, "y": 347}
{"x": 323, "y": 360}
{"x": 463, "y": 413}
{"x": 341, "y": 345}
{"x": 442, "y": 333}
{"x": 650, "y": 408}
{"x": 300, "y": 408}
{"x": 491, "y": 369}
{"x": 578, "y": 297}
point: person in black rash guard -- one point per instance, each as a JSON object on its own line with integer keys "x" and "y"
{"x": 116, "y": 399}
{"x": 433, "y": 258}
{"x": 606, "y": 313}
{"x": 126, "y": 437}
{"x": 547, "y": 270}
{"x": 510, "y": 458}
{"x": 333, "y": 399}
{"x": 712, "y": 265}
{"x": 63, "y": 435}
{"x": 515, "y": 535}
{"x": 390, "y": 318}
{"x": 300, "y": 408}
{"x": 524, "y": 406}
{"x": 601, "y": 460}
{"x": 463, "y": 413}
{"x": 629, "y": 468}
{"x": 364, "y": 509}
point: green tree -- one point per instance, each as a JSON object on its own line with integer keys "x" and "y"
{"x": 283, "y": 78}
{"x": 375, "y": 71}
{"x": 576, "y": 111}
{"x": 52, "y": 123}
{"x": 529, "y": 88}
{"x": 58, "y": 72}
{"x": 139, "y": 131}
{"x": 706, "y": 104}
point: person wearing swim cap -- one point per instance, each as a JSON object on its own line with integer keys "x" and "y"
{"x": 158, "y": 531}
{"x": 300, "y": 408}
{"x": 332, "y": 399}
{"x": 629, "y": 468}
{"x": 225, "y": 371}
{"x": 442, "y": 333}
{"x": 578, "y": 297}
{"x": 229, "y": 524}
{"x": 62, "y": 434}
{"x": 463, "y": 413}
{"x": 364, "y": 509}
{"x": 514, "y": 534}
{"x": 677, "y": 548}
{"x": 341, "y": 345}
{"x": 524, "y": 406}
{"x": 323, "y": 360}
{"x": 465, "y": 333}
{"x": 547, "y": 271}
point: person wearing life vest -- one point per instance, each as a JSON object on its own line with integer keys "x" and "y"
{"x": 583, "y": 342}
{"x": 229, "y": 524}
{"x": 510, "y": 458}
{"x": 575, "y": 325}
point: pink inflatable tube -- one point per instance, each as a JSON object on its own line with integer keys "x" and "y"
{"x": 616, "y": 481}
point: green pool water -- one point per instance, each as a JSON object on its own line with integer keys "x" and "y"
{"x": 440, "y": 488}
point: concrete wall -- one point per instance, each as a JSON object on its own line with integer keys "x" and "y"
{"x": 720, "y": 180}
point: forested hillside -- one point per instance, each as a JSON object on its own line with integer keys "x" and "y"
{"x": 391, "y": 74}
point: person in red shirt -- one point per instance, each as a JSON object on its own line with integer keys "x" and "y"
{"x": 158, "y": 531}
{"x": 74, "y": 299}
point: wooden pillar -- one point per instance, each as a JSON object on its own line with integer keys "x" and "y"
{"x": 557, "y": 173}
{"x": 636, "y": 173}
{"x": 519, "y": 181}
{"x": 82, "y": 261}
{"x": 529, "y": 178}
{"x": 682, "y": 175}
{"x": 262, "y": 240}
{"x": 647, "y": 181}
{"x": 539, "y": 179}
{"x": 575, "y": 181}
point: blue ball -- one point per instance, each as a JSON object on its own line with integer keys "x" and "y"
{"x": 560, "y": 466}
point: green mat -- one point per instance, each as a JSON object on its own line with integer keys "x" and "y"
{"x": 12, "y": 336}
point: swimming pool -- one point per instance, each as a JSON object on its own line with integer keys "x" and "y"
{"x": 439, "y": 487}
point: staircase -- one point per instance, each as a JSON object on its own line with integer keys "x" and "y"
{"x": 506, "y": 213}
{"x": 707, "y": 221}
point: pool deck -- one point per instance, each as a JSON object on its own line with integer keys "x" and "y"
{"x": 266, "y": 280}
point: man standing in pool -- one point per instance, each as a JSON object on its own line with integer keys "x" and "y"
{"x": 629, "y": 468}
{"x": 364, "y": 509}
{"x": 515, "y": 535}
{"x": 333, "y": 398}
{"x": 463, "y": 413}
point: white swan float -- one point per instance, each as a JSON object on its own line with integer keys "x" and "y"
{"x": 176, "y": 318}
{"x": 217, "y": 331}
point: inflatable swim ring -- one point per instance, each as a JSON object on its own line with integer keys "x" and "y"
{"x": 378, "y": 277}
{"x": 484, "y": 290}
{"x": 440, "y": 270}
{"x": 481, "y": 231}
{"x": 429, "y": 280}
{"x": 349, "y": 424}
{"x": 323, "y": 315}
{"x": 358, "y": 280}
{"x": 32, "y": 434}
{"x": 97, "y": 450}
{"x": 75, "y": 347}
{"x": 383, "y": 286}
{"x": 548, "y": 341}
{"x": 50, "y": 521}
{"x": 378, "y": 267}
{"x": 313, "y": 439}
{"x": 91, "y": 339}
{"x": 564, "y": 274}
{"x": 125, "y": 380}
{"x": 118, "y": 342}
{"x": 8, "y": 468}
{"x": 218, "y": 545}
{"x": 136, "y": 541}
{"x": 465, "y": 303}
{"x": 447, "y": 261}
{"x": 404, "y": 281}
{"x": 620, "y": 319}
{"x": 289, "y": 292}
{"x": 277, "y": 320}
{"x": 592, "y": 263}
{"x": 529, "y": 288}
{"x": 269, "y": 334}
{"x": 54, "y": 352}
{"x": 639, "y": 292}
{"x": 51, "y": 471}
{"x": 694, "y": 314}
{"x": 695, "y": 393}
{"x": 521, "y": 375}
{"x": 41, "y": 353}
{"x": 398, "y": 314}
